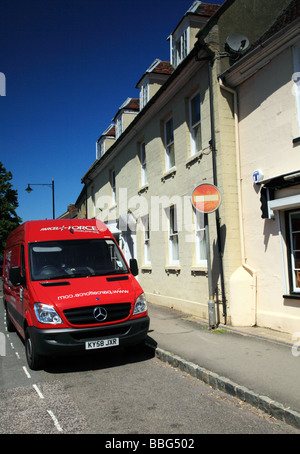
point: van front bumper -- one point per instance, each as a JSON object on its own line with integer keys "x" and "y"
{"x": 52, "y": 342}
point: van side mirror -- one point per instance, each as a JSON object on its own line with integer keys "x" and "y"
{"x": 15, "y": 276}
{"x": 134, "y": 267}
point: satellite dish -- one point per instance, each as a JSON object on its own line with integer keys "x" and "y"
{"x": 236, "y": 43}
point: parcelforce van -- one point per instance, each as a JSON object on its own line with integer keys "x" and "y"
{"x": 67, "y": 287}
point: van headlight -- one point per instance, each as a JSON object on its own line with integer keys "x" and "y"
{"x": 140, "y": 304}
{"x": 46, "y": 314}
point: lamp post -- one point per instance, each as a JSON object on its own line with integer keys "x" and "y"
{"x": 29, "y": 189}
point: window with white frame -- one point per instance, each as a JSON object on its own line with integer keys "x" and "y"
{"x": 146, "y": 232}
{"x": 200, "y": 240}
{"x": 142, "y": 156}
{"x": 169, "y": 144}
{"x": 100, "y": 148}
{"x": 173, "y": 236}
{"x": 195, "y": 124}
{"x": 112, "y": 178}
{"x": 294, "y": 231}
{"x": 180, "y": 48}
{"x": 144, "y": 95}
{"x": 97, "y": 150}
{"x": 119, "y": 126}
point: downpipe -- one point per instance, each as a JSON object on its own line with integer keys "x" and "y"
{"x": 213, "y": 148}
{"x": 248, "y": 268}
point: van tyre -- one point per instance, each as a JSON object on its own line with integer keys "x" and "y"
{"x": 34, "y": 360}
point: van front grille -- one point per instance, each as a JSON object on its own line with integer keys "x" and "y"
{"x": 86, "y": 315}
{"x": 92, "y": 333}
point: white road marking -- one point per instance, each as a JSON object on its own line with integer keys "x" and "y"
{"x": 56, "y": 423}
{"x": 38, "y": 391}
{"x": 26, "y": 372}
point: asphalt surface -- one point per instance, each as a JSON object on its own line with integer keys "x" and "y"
{"x": 259, "y": 366}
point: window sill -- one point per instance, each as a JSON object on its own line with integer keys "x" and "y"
{"x": 296, "y": 140}
{"x": 293, "y": 296}
{"x": 196, "y": 158}
{"x": 146, "y": 269}
{"x": 169, "y": 174}
{"x": 199, "y": 270}
{"x": 172, "y": 269}
{"x": 143, "y": 189}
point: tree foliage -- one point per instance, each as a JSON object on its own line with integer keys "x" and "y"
{"x": 9, "y": 219}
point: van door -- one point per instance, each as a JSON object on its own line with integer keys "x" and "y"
{"x": 24, "y": 293}
{"x": 12, "y": 257}
{"x": 19, "y": 294}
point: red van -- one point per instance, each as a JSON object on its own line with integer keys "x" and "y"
{"x": 67, "y": 287}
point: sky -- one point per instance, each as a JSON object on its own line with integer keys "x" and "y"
{"x": 68, "y": 66}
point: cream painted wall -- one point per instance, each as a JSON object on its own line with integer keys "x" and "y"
{"x": 267, "y": 126}
{"x": 184, "y": 287}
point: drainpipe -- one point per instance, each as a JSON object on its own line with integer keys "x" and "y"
{"x": 248, "y": 268}
{"x": 215, "y": 180}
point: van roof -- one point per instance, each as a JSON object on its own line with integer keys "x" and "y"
{"x": 60, "y": 229}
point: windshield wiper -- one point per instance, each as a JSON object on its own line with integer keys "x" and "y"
{"x": 53, "y": 284}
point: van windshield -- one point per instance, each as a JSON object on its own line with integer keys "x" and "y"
{"x": 75, "y": 258}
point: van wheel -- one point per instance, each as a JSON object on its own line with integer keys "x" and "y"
{"x": 34, "y": 360}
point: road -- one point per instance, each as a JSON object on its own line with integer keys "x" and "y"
{"x": 116, "y": 392}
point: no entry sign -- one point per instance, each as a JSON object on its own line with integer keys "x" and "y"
{"x": 206, "y": 198}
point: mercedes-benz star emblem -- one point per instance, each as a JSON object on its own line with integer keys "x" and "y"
{"x": 100, "y": 314}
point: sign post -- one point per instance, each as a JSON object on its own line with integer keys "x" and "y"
{"x": 206, "y": 198}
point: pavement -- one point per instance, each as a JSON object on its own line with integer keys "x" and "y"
{"x": 259, "y": 366}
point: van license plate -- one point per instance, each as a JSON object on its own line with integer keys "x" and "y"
{"x": 89, "y": 345}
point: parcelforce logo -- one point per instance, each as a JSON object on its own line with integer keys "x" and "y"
{"x": 100, "y": 314}
{"x": 75, "y": 228}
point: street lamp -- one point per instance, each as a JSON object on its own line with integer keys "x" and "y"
{"x": 29, "y": 190}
